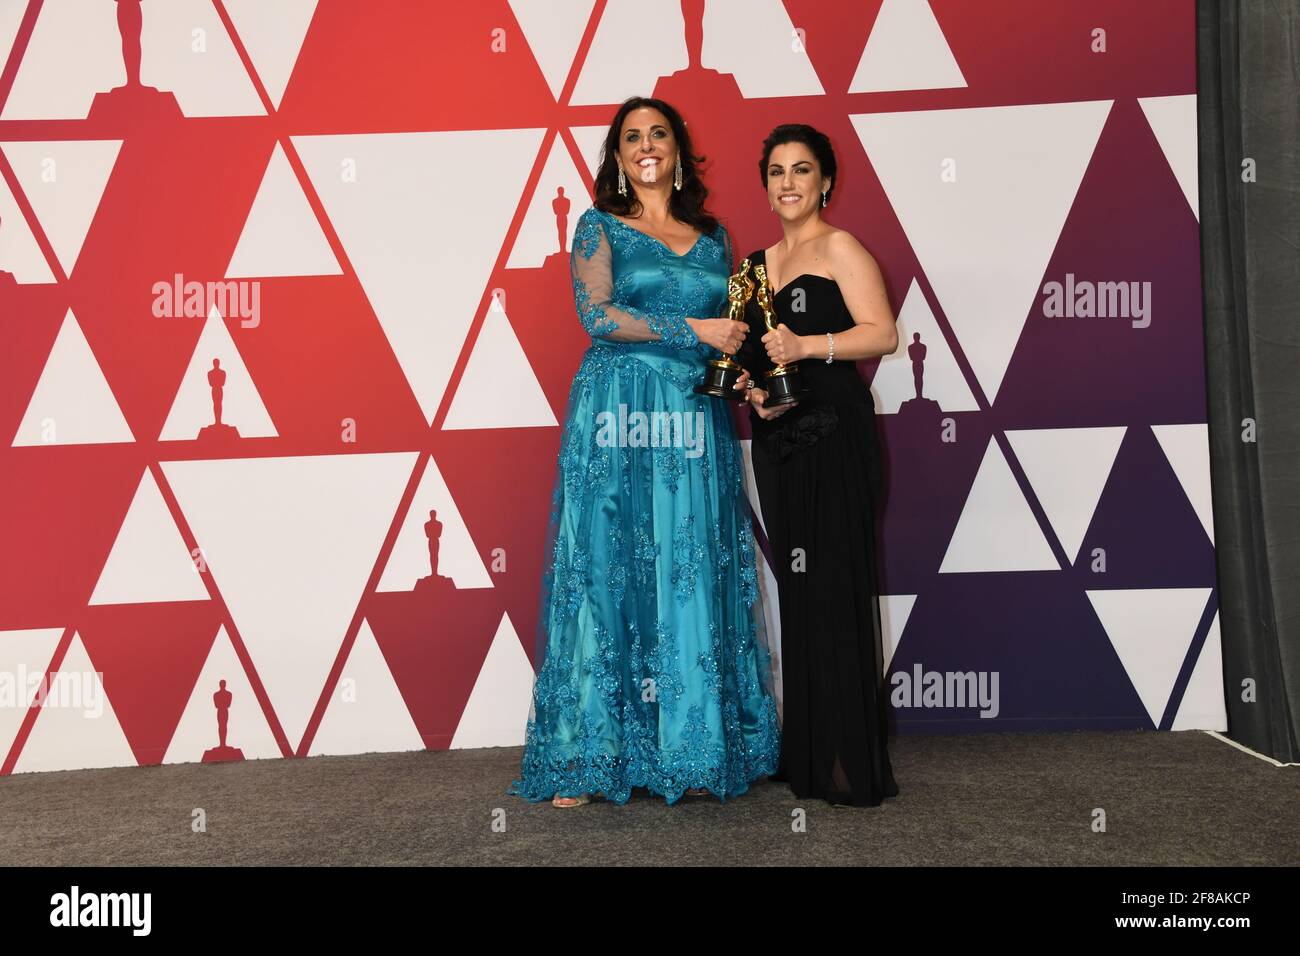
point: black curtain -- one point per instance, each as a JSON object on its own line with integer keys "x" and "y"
{"x": 1249, "y": 116}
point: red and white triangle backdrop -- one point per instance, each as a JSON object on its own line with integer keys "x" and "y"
{"x": 375, "y": 185}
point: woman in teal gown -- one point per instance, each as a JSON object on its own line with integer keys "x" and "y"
{"x": 654, "y": 670}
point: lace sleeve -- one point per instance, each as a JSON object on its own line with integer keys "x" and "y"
{"x": 593, "y": 290}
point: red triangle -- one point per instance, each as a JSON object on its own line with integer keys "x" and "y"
{"x": 505, "y": 506}
{"x": 435, "y": 644}
{"x": 150, "y": 656}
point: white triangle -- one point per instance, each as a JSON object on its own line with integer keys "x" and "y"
{"x": 1188, "y": 449}
{"x": 942, "y": 379}
{"x": 458, "y": 556}
{"x": 997, "y": 531}
{"x": 771, "y": 600}
{"x": 906, "y": 51}
{"x": 241, "y": 404}
{"x": 755, "y": 41}
{"x": 895, "y": 609}
{"x": 1203, "y": 706}
{"x": 24, "y": 658}
{"x": 282, "y": 236}
{"x": 1173, "y": 120}
{"x": 72, "y": 403}
{"x": 985, "y": 238}
{"x": 1151, "y": 630}
{"x": 207, "y": 82}
{"x": 1067, "y": 468}
{"x": 769, "y": 596}
{"x": 11, "y": 18}
{"x": 498, "y": 389}
{"x": 291, "y": 543}
{"x": 767, "y": 588}
{"x": 19, "y": 253}
{"x": 553, "y": 31}
{"x": 149, "y": 560}
{"x": 590, "y": 140}
{"x": 538, "y": 234}
{"x": 272, "y": 32}
{"x": 74, "y": 52}
{"x": 246, "y": 730}
{"x": 213, "y": 82}
{"x": 64, "y": 180}
{"x": 751, "y": 482}
{"x": 616, "y": 68}
{"x": 76, "y": 728}
{"x": 425, "y": 282}
{"x": 366, "y": 713}
{"x": 496, "y": 713}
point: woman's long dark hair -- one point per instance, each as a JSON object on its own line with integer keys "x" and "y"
{"x": 686, "y": 204}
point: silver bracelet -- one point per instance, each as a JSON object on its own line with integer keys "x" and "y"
{"x": 830, "y": 348}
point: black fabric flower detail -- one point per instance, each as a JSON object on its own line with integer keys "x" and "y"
{"x": 797, "y": 429}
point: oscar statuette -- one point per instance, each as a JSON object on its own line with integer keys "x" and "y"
{"x": 721, "y": 375}
{"x": 785, "y": 385}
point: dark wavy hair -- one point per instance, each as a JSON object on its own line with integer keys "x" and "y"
{"x": 686, "y": 204}
{"x": 816, "y": 141}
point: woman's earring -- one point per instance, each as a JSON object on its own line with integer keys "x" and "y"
{"x": 677, "y": 177}
{"x": 824, "y": 198}
{"x": 622, "y": 182}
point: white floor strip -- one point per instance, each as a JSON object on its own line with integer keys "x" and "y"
{"x": 1253, "y": 753}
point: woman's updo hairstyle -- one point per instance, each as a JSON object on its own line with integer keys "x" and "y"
{"x": 818, "y": 144}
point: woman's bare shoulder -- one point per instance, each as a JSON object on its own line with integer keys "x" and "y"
{"x": 843, "y": 250}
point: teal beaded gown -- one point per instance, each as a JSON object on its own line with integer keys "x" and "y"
{"x": 654, "y": 667}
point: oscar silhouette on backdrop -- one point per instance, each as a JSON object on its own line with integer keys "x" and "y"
{"x": 217, "y": 431}
{"x": 561, "y": 205}
{"x": 919, "y": 408}
{"x": 550, "y": 333}
{"x": 133, "y": 99}
{"x": 6, "y": 278}
{"x": 434, "y": 583}
{"x": 222, "y": 752}
{"x": 217, "y": 379}
{"x": 720, "y": 116}
{"x": 916, "y": 352}
{"x": 697, "y": 83}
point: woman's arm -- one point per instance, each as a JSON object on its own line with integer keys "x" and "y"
{"x": 874, "y": 331}
{"x": 593, "y": 294}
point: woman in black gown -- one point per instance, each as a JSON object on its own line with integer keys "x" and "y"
{"x": 818, "y": 471}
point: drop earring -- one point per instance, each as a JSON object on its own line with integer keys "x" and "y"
{"x": 823, "y": 199}
{"x": 677, "y": 177}
{"x": 622, "y": 182}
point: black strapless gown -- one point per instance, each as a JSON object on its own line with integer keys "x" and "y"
{"x": 819, "y": 477}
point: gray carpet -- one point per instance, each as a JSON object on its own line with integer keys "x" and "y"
{"x": 1173, "y": 799}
